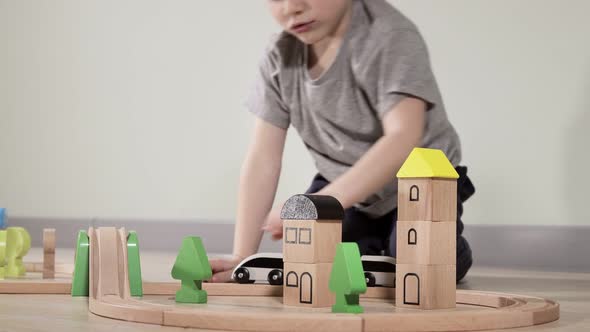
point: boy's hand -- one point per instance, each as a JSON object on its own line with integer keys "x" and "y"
{"x": 274, "y": 224}
{"x": 222, "y": 268}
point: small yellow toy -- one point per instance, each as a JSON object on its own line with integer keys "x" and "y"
{"x": 2, "y": 253}
{"x": 18, "y": 243}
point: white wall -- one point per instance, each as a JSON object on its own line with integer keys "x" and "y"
{"x": 134, "y": 108}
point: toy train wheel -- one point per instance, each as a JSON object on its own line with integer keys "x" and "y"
{"x": 370, "y": 279}
{"x": 275, "y": 277}
{"x": 242, "y": 276}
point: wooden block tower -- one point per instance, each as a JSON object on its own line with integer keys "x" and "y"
{"x": 426, "y": 231}
{"x": 312, "y": 230}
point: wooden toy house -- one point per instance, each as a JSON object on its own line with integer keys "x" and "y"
{"x": 312, "y": 230}
{"x": 426, "y": 231}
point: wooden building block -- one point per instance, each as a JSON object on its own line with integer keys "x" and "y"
{"x": 306, "y": 285}
{"x": 311, "y": 241}
{"x": 444, "y": 200}
{"x": 426, "y": 242}
{"x": 425, "y": 286}
{"x": 427, "y": 199}
{"x": 274, "y": 319}
{"x": 48, "y": 266}
{"x": 49, "y": 253}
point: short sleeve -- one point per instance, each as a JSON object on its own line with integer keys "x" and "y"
{"x": 399, "y": 68}
{"x": 265, "y": 99}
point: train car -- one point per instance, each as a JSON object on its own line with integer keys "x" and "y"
{"x": 379, "y": 270}
{"x": 260, "y": 267}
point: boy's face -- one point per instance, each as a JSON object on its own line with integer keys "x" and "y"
{"x": 309, "y": 20}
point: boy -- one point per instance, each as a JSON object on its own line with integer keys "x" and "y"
{"x": 354, "y": 78}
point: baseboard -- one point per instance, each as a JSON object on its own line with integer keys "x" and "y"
{"x": 555, "y": 248}
{"x": 551, "y": 248}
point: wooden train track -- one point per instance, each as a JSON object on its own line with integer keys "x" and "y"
{"x": 259, "y": 307}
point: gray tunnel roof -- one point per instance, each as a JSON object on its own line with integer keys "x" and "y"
{"x": 312, "y": 207}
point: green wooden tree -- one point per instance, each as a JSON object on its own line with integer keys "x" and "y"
{"x": 347, "y": 279}
{"x": 191, "y": 268}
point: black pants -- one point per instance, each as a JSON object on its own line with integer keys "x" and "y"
{"x": 376, "y": 236}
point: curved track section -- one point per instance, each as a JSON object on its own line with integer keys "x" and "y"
{"x": 110, "y": 297}
{"x": 109, "y": 280}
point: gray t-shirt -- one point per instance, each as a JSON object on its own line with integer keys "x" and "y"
{"x": 383, "y": 58}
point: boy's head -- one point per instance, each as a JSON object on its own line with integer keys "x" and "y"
{"x": 311, "y": 20}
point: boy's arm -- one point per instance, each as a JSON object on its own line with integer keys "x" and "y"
{"x": 259, "y": 179}
{"x": 403, "y": 128}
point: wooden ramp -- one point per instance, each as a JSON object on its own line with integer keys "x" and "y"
{"x": 110, "y": 295}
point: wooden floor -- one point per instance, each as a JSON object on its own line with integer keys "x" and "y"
{"x": 64, "y": 313}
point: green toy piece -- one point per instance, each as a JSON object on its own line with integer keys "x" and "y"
{"x": 80, "y": 279}
{"x": 18, "y": 243}
{"x": 134, "y": 267}
{"x": 2, "y": 253}
{"x": 347, "y": 279}
{"x": 191, "y": 268}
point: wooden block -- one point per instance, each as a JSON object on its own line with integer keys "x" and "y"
{"x": 49, "y": 240}
{"x": 311, "y": 241}
{"x": 231, "y": 289}
{"x": 485, "y": 299}
{"x": 426, "y": 242}
{"x": 427, "y": 199}
{"x": 454, "y": 320}
{"x": 425, "y": 286}
{"x": 277, "y": 320}
{"x": 48, "y": 266}
{"x": 35, "y": 286}
{"x": 444, "y": 200}
{"x": 514, "y": 311}
{"x": 306, "y": 285}
{"x": 387, "y": 293}
{"x": 49, "y": 253}
{"x": 113, "y": 306}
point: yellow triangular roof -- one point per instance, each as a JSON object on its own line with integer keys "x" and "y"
{"x": 427, "y": 163}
